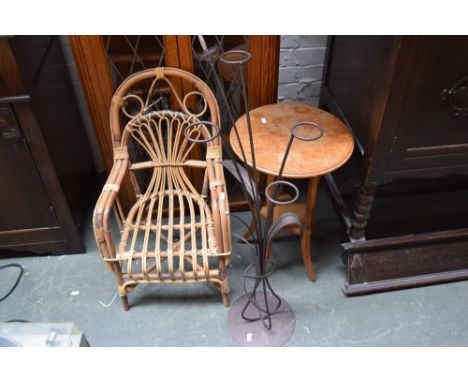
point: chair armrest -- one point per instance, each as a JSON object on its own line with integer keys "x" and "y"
{"x": 225, "y": 220}
{"x": 219, "y": 204}
{"x": 104, "y": 205}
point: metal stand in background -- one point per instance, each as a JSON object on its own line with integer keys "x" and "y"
{"x": 260, "y": 317}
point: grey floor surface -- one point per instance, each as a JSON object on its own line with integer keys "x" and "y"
{"x": 193, "y": 315}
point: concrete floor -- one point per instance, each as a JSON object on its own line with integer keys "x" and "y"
{"x": 193, "y": 315}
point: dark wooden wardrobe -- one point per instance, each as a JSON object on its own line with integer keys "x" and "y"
{"x": 405, "y": 99}
{"x": 45, "y": 159}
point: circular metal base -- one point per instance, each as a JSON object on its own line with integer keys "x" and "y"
{"x": 254, "y": 333}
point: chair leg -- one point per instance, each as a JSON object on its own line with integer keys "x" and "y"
{"x": 224, "y": 287}
{"x": 226, "y": 301}
{"x": 308, "y": 226}
{"x": 306, "y": 255}
{"x": 120, "y": 281}
{"x": 125, "y": 305}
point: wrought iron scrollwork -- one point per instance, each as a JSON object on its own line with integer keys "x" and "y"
{"x": 457, "y": 97}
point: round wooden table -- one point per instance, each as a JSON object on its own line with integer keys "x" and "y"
{"x": 271, "y": 130}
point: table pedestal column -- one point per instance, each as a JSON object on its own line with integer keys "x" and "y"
{"x": 309, "y": 226}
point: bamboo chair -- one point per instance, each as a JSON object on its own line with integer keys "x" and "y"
{"x": 173, "y": 233}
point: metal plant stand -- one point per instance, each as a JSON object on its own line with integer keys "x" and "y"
{"x": 260, "y": 317}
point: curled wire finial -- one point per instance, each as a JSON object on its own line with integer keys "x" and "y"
{"x": 244, "y": 57}
{"x": 282, "y": 183}
{"x": 201, "y": 123}
{"x": 302, "y": 138}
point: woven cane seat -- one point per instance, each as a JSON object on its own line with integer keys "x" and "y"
{"x": 153, "y": 250}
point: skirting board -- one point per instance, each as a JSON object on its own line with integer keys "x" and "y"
{"x": 405, "y": 261}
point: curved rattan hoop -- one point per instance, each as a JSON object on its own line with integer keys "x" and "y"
{"x": 159, "y": 74}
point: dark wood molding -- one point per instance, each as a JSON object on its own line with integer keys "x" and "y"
{"x": 404, "y": 282}
{"x": 406, "y": 261}
{"x": 406, "y": 240}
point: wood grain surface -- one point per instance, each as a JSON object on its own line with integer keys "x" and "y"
{"x": 306, "y": 159}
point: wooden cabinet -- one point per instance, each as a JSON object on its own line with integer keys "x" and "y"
{"x": 405, "y": 100}
{"x": 45, "y": 159}
{"x": 428, "y": 139}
